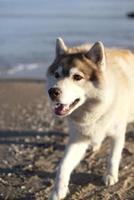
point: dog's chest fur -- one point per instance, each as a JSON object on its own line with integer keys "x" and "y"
{"x": 92, "y": 126}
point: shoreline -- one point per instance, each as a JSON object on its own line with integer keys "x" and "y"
{"x": 23, "y": 80}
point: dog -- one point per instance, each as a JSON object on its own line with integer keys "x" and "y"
{"x": 94, "y": 87}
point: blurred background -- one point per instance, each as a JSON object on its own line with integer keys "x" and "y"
{"x": 29, "y": 28}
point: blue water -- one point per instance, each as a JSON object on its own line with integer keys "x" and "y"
{"x": 29, "y": 28}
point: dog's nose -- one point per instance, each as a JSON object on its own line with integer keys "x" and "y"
{"x": 54, "y": 93}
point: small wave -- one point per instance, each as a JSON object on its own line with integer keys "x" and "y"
{"x": 22, "y": 67}
{"x": 25, "y": 71}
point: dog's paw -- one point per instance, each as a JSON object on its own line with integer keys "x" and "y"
{"x": 59, "y": 194}
{"x": 110, "y": 180}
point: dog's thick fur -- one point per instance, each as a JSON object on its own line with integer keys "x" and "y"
{"x": 95, "y": 89}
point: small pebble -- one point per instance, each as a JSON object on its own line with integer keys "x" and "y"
{"x": 9, "y": 174}
{"x": 38, "y": 137}
{"x": 23, "y": 187}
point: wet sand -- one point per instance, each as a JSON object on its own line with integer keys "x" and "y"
{"x": 32, "y": 142}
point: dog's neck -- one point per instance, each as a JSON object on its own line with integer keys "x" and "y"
{"x": 89, "y": 110}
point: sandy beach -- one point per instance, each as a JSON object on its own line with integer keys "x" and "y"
{"x": 32, "y": 142}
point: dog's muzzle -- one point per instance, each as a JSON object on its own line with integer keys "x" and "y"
{"x": 61, "y": 109}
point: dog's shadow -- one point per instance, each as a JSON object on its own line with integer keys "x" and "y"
{"x": 78, "y": 179}
{"x": 84, "y": 178}
{"x": 9, "y": 138}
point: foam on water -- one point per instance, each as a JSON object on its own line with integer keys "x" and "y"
{"x": 26, "y": 71}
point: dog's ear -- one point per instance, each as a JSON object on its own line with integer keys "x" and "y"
{"x": 97, "y": 55}
{"x": 61, "y": 48}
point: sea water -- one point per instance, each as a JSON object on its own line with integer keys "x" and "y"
{"x": 29, "y": 28}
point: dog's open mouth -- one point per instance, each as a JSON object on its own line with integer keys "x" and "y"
{"x": 63, "y": 109}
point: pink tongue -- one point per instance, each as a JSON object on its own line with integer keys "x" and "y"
{"x": 61, "y": 109}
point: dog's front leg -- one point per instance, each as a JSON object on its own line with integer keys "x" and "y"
{"x": 73, "y": 154}
{"x": 114, "y": 160}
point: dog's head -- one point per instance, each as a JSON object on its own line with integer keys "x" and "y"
{"x": 75, "y": 76}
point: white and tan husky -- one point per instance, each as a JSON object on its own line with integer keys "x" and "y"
{"x": 94, "y": 87}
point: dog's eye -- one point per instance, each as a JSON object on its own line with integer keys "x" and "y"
{"x": 77, "y": 77}
{"x": 56, "y": 75}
